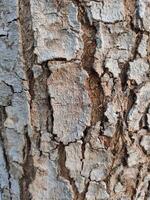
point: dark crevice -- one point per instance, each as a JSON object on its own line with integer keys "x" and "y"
{"x": 124, "y": 158}
{"x": 51, "y": 120}
{"x": 119, "y": 152}
{"x": 124, "y": 75}
{"x": 139, "y": 37}
{"x": 87, "y": 62}
{"x": 59, "y": 59}
{"x": 85, "y": 134}
{"x": 27, "y": 34}
{"x": 31, "y": 82}
{"x": 3, "y": 35}
{"x": 14, "y": 20}
{"x": 38, "y": 141}
{"x": 131, "y": 101}
{"x": 27, "y": 42}
{"x": 83, "y": 194}
{"x": 147, "y": 195}
{"x": 42, "y": 101}
{"x": 115, "y": 140}
{"x": 28, "y": 169}
{"x": 64, "y": 172}
{"x": 143, "y": 124}
{"x": 138, "y": 178}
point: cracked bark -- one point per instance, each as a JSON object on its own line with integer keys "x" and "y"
{"x": 75, "y": 98}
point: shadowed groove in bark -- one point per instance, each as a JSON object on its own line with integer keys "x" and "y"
{"x": 27, "y": 41}
{"x": 87, "y": 61}
{"x": 29, "y": 169}
{"x": 118, "y": 150}
{"x": 47, "y": 73}
{"x": 64, "y": 172}
{"x": 43, "y": 98}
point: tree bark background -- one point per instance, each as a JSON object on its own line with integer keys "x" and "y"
{"x": 74, "y": 100}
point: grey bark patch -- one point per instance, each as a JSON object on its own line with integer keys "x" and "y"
{"x": 53, "y": 39}
{"x": 70, "y": 102}
{"x": 5, "y": 94}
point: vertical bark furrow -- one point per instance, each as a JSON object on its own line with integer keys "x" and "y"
{"x": 27, "y": 47}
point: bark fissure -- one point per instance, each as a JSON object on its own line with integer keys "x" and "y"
{"x": 27, "y": 39}
{"x": 87, "y": 62}
{"x": 64, "y": 171}
{"x": 28, "y": 168}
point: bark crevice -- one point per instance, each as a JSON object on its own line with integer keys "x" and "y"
{"x": 64, "y": 171}
{"x": 87, "y": 62}
{"x": 27, "y": 42}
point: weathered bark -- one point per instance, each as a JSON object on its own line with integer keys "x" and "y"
{"x": 74, "y": 100}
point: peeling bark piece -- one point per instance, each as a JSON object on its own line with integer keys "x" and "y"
{"x": 142, "y": 49}
{"x": 145, "y": 143}
{"x": 12, "y": 80}
{"x": 119, "y": 188}
{"x": 113, "y": 67}
{"x": 74, "y": 164}
{"x": 96, "y": 10}
{"x": 108, "y": 11}
{"x": 106, "y": 39}
{"x": 99, "y": 159}
{"x": 37, "y": 70}
{"x": 73, "y": 17}
{"x": 46, "y": 183}
{"x": 112, "y": 116}
{"x": 107, "y": 84}
{"x": 134, "y": 156}
{"x": 97, "y": 191}
{"x": 125, "y": 41}
{"x": 8, "y": 9}
{"x": 137, "y": 111}
{"x": 5, "y": 94}
{"x": 15, "y": 152}
{"x": 70, "y": 102}
{"x": 138, "y": 70}
{"x": 73, "y": 158}
{"x": 9, "y": 30}
{"x": 95, "y": 140}
{"x": 54, "y": 37}
{"x": 144, "y": 10}
{"x": 17, "y": 113}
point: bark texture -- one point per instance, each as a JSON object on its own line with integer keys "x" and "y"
{"x": 74, "y": 100}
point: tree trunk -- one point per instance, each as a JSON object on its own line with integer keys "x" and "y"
{"x": 74, "y": 100}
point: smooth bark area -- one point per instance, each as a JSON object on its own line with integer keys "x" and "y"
{"x": 74, "y": 100}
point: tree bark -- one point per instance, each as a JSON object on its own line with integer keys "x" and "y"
{"x": 74, "y": 100}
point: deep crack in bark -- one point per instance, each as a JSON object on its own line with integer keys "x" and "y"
{"x": 64, "y": 171}
{"x": 27, "y": 39}
{"x": 87, "y": 61}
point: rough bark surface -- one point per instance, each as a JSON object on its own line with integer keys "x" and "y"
{"x": 74, "y": 100}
